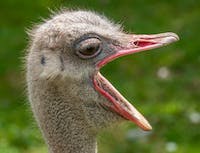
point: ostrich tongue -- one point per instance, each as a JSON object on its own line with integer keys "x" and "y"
{"x": 118, "y": 103}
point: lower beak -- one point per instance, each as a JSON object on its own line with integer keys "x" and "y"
{"x": 138, "y": 43}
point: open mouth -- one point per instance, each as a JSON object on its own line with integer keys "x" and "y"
{"x": 118, "y": 103}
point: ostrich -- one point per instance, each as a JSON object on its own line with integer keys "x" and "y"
{"x": 70, "y": 99}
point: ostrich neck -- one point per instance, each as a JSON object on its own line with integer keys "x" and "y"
{"x": 72, "y": 140}
{"x": 61, "y": 120}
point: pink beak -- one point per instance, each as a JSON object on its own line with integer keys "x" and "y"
{"x": 136, "y": 44}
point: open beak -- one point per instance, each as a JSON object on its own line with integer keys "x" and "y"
{"x": 118, "y": 103}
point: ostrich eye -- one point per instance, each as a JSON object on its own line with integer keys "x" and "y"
{"x": 88, "y": 48}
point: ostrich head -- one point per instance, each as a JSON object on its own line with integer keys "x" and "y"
{"x": 68, "y": 94}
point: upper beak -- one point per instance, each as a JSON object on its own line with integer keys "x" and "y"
{"x": 141, "y": 42}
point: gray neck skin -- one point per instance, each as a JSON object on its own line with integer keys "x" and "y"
{"x": 62, "y": 122}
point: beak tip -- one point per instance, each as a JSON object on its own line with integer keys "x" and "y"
{"x": 169, "y": 38}
{"x": 173, "y": 37}
{"x": 147, "y": 127}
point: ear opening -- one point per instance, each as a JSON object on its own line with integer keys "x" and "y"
{"x": 52, "y": 65}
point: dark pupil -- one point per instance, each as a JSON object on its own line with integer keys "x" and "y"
{"x": 90, "y": 50}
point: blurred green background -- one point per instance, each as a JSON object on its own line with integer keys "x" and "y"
{"x": 164, "y": 84}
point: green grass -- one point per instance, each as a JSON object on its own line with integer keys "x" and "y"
{"x": 168, "y": 103}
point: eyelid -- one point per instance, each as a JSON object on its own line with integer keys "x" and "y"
{"x": 77, "y": 45}
{"x": 88, "y": 42}
{"x": 97, "y": 49}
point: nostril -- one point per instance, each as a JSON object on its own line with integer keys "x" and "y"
{"x": 136, "y": 43}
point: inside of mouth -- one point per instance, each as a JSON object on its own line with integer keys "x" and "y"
{"x": 105, "y": 87}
